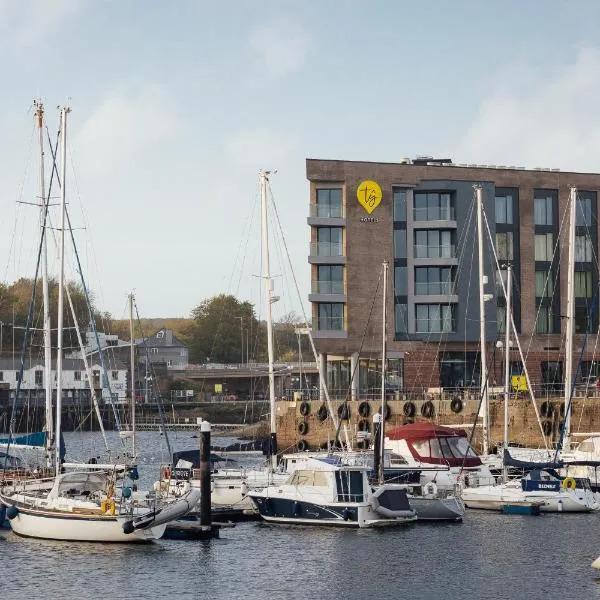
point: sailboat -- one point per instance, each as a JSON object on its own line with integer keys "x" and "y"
{"x": 83, "y": 504}
{"x": 542, "y": 487}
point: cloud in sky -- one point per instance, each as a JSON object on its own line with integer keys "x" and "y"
{"x": 129, "y": 119}
{"x": 536, "y": 118}
{"x": 260, "y": 148}
{"x": 281, "y": 44}
{"x": 25, "y": 23}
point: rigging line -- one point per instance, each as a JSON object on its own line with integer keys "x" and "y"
{"x": 158, "y": 397}
{"x": 87, "y": 296}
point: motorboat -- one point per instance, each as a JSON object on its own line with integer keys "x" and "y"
{"x": 326, "y": 491}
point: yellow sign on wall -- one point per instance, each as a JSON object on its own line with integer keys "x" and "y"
{"x": 218, "y": 388}
{"x": 519, "y": 383}
{"x": 369, "y": 195}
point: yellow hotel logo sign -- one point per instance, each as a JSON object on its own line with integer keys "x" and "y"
{"x": 369, "y": 195}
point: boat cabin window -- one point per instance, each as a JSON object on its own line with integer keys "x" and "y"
{"x": 460, "y": 448}
{"x": 308, "y": 478}
{"x": 10, "y": 462}
{"x": 436, "y": 449}
{"x": 421, "y": 447}
{"x": 586, "y": 446}
{"x": 397, "y": 459}
{"x": 350, "y": 486}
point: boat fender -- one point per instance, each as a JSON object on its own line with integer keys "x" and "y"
{"x": 569, "y": 483}
{"x": 133, "y": 474}
{"x": 343, "y": 412}
{"x": 364, "y": 425}
{"x": 297, "y": 509}
{"x": 304, "y": 408}
{"x": 126, "y": 492}
{"x": 546, "y": 409}
{"x": 303, "y": 427}
{"x": 165, "y": 473}
{"x": 128, "y": 527}
{"x": 456, "y": 405}
{"x": 12, "y": 512}
{"x": 212, "y": 486}
{"x": 2, "y": 514}
{"x": 409, "y": 409}
{"x": 345, "y": 514}
{"x": 364, "y": 409}
{"x": 430, "y": 489}
{"x": 428, "y": 410}
{"x": 547, "y": 427}
{"x": 322, "y": 413}
{"x": 244, "y": 488}
{"x": 302, "y": 446}
{"x": 388, "y": 412}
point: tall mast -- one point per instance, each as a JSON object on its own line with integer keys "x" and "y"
{"x": 39, "y": 113}
{"x": 132, "y": 359}
{"x": 269, "y": 299}
{"x": 383, "y": 373}
{"x": 507, "y": 361}
{"x": 61, "y": 280}
{"x": 484, "y": 370}
{"x": 570, "y": 317}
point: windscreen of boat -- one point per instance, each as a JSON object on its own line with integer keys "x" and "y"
{"x": 306, "y": 478}
{"x": 10, "y": 462}
{"x": 81, "y": 484}
{"x": 453, "y": 451}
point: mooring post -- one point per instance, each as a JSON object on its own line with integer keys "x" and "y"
{"x": 205, "y": 503}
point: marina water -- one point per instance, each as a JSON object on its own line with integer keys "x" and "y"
{"x": 489, "y": 555}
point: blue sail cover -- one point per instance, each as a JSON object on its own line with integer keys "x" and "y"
{"x": 35, "y": 440}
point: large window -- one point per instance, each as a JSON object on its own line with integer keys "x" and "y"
{"x": 399, "y": 205}
{"x": 434, "y": 280}
{"x": 583, "y": 212}
{"x": 399, "y": 243}
{"x": 583, "y": 248}
{"x": 545, "y": 320}
{"x": 504, "y": 209}
{"x": 329, "y": 241}
{"x": 330, "y": 316}
{"x": 435, "y": 318}
{"x": 544, "y": 247}
{"x": 400, "y": 283}
{"x": 583, "y": 284}
{"x": 401, "y": 310}
{"x": 433, "y": 206}
{"x": 543, "y": 210}
{"x": 543, "y": 285}
{"x": 330, "y": 279}
{"x": 435, "y": 243}
{"x": 329, "y": 202}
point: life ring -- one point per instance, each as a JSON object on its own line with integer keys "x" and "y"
{"x": 388, "y": 412}
{"x": 302, "y": 446}
{"x": 547, "y": 427}
{"x": 430, "y": 489}
{"x": 569, "y": 483}
{"x": 456, "y": 405}
{"x": 428, "y": 410}
{"x": 322, "y": 413}
{"x": 303, "y": 428}
{"x": 165, "y": 473}
{"x": 409, "y": 409}
{"x": 364, "y": 425}
{"x": 364, "y": 409}
{"x": 304, "y": 408}
{"x": 343, "y": 412}
{"x": 546, "y": 409}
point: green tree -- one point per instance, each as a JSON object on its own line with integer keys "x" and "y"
{"x": 221, "y": 326}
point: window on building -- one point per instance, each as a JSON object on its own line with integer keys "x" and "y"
{"x": 545, "y": 320}
{"x": 583, "y": 212}
{"x": 400, "y": 281}
{"x": 501, "y": 277}
{"x": 330, "y": 279}
{"x": 330, "y": 316}
{"x": 543, "y": 210}
{"x": 399, "y": 243}
{"x": 111, "y": 342}
{"x": 544, "y": 247}
{"x": 329, "y": 202}
{"x": 433, "y": 280}
{"x": 154, "y": 350}
{"x": 504, "y": 245}
{"x": 583, "y": 284}
{"x": 18, "y": 375}
{"x": 77, "y": 375}
{"x": 399, "y": 205}
{"x": 435, "y": 318}
{"x": 583, "y": 248}
{"x": 435, "y": 243}
{"x": 500, "y": 319}
{"x": 583, "y": 322}
{"x": 39, "y": 377}
{"x": 543, "y": 285}
{"x": 114, "y": 375}
{"x": 401, "y": 310}
{"x": 433, "y": 206}
{"x": 504, "y": 209}
{"x": 329, "y": 241}
{"x": 552, "y": 377}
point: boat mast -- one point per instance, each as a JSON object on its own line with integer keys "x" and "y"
{"x": 269, "y": 299}
{"x": 507, "y": 361}
{"x": 570, "y": 318}
{"x": 484, "y": 369}
{"x": 132, "y": 359}
{"x": 383, "y": 374}
{"x": 61, "y": 281}
{"x": 49, "y": 443}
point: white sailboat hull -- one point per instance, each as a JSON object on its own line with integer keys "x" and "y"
{"x": 51, "y": 525}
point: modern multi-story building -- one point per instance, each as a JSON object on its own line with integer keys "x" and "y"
{"x": 420, "y": 216}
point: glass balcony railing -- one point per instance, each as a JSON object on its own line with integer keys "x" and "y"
{"x": 327, "y": 287}
{"x": 326, "y": 249}
{"x": 328, "y": 211}
{"x": 433, "y": 287}
{"x": 328, "y": 324}
{"x": 424, "y": 251}
{"x": 434, "y": 213}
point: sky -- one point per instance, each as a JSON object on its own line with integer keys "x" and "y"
{"x": 176, "y": 106}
